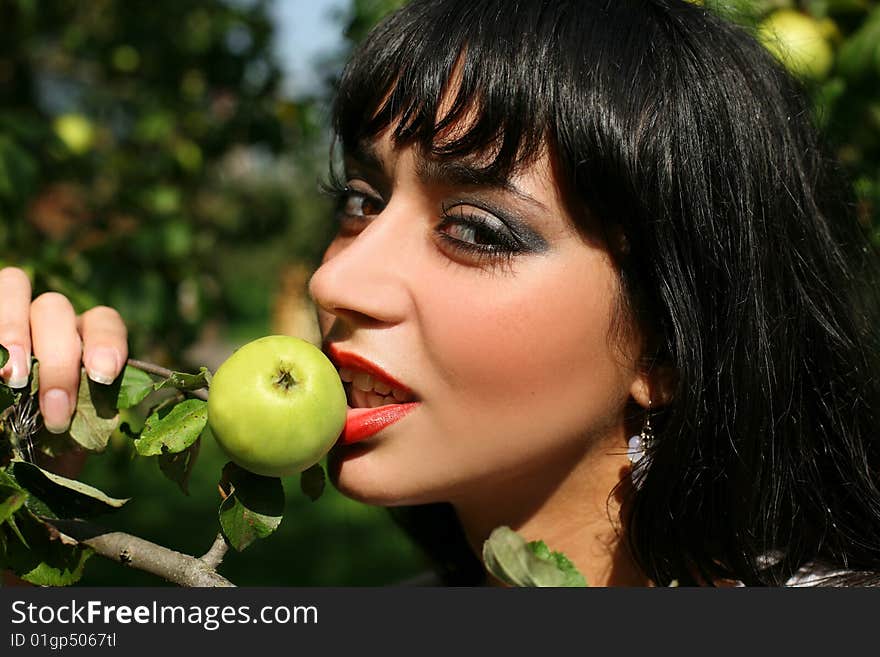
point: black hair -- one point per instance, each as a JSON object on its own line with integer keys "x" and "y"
{"x": 744, "y": 264}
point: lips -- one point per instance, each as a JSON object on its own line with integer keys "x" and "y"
{"x": 362, "y": 423}
{"x": 377, "y": 399}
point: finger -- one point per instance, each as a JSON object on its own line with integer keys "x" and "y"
{"x": 58, "y": 347}
{"x": 15, "y": 329}
{"x": 105, "y": 343}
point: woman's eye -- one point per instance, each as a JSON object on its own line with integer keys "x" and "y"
{"x": 354, "y": 206}
{"x": 360, "y": 204}
{"x": 471, "y": 234}
{"x": 477, "y": 238}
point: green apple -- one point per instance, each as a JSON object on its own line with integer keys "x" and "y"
{"x": 799, "y": 42}
{"x": 76, "y": 131}
{"x": 276, "y": 406}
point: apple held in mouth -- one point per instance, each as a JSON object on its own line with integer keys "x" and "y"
{"x": 376, "y": 398}
{"x": 276, "y": 406}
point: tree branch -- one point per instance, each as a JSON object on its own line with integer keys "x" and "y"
{"x": 176, "y": 567}
{"x": 215, "y": 555}
{"x": 164, "y": 372}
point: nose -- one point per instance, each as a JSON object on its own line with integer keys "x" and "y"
{"x": 364, "y": 279}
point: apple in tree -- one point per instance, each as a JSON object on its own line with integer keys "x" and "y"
{"x": 76, "y": 131}
{"x": 799, "y": 42}
{"x": 276, "y": 405}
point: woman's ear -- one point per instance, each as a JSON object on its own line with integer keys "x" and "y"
{"x": 654, "y": 388}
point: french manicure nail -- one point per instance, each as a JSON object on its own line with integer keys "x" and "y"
{"x": 56, "y": 410}
{"x": 20, "y": 367}
{"x": 102, "y": 365}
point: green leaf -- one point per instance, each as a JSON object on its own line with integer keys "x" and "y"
{"x": 9, "y": 487}
{"x": 856, "y": 55}
{"x": 63, "y": 497}
{"x": 563, "y": 563}
{"x": 4, "y": 355}
{"x": 512, "y": 560}
{"x": 178, "y": 467}
{"x": 136, "y": 385}
{"x": 13, "y": 526}
{"x": 39, "y": 508}
{"x": 253, "y": 507}
{"x": 173, "y": 429}
{"x": 312, "y": 481}
{"x": 11, "y": 500}
{"x": 7, "y": 397}
{"x": 18, "y": 169}
{"x": 745, "y": 12}
{"x": 183, "y": 381}
{"x": 96, "y": 416}
{"x": 42, "y": 555}
{"x": 6, "y": 479}
{"x": 821, "y": 8}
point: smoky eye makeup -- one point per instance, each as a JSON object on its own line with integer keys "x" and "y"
{"x": 478, "y": 233}
{"x": 508, "y": 224}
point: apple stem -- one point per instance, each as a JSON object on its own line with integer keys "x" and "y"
{"x": 164, "y": 372}
{"x": 285, "y": 380}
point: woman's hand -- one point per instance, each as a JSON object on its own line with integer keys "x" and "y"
{"x": 49, "y": 328}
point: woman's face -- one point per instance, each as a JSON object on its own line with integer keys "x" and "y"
{"x": 486, "y": 302}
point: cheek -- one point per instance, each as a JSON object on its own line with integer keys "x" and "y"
{"x": 531, "y": 357}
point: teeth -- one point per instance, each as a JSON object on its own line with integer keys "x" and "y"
{"x": 367, "y": 392}
{"x": 363, "y": 381}
{"x": 374, "y": 400}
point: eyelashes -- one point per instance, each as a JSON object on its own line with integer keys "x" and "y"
{"x": 479, "y": 238}
{"x": 483, "y": 243}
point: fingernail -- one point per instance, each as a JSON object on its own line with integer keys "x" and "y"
{"x": 102, "y": 365}
{"x": 56, "y": 410}
{"x": 18, "y": 366}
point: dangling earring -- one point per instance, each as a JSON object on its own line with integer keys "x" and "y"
{"x": 638, "y": 445}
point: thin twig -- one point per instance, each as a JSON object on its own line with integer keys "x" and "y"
{"x": 164, "y": 372}
{"x": 150, "y": 368}
{"x": 215, "y": 555}
{"x": 176, "y": 567}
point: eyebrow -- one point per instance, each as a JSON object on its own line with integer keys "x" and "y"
{"x": 366, "y": 155}
{"x": 440, "y": 172}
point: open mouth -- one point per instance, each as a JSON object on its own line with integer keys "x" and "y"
{"x": 375, "y": 398}
{"x": 363, "y": 390}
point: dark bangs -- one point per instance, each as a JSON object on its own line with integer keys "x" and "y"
{"x": 404, "y": 76}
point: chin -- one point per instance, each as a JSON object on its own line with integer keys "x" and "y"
{"x": 351, "y": 472}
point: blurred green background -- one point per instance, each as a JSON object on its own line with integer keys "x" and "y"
{"x": 153, "y": 158}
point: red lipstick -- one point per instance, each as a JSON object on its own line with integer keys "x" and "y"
{"x": 353, "y": 361}
{"x": 361, "y": 423}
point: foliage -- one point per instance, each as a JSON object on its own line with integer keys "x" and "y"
{"x": 364, "y": 14}
{"x": 846, "y": 99}
{"x": 516, "y": 562}
{"x": 31, "y": 498}
{"x": 141, "y": 143}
